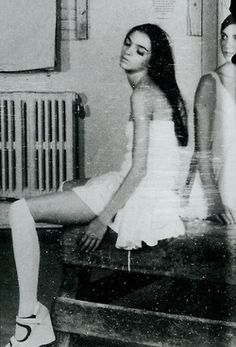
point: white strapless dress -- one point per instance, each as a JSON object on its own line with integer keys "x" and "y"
{"x": 224, "y": 156}
{"x": 153, "y": 210}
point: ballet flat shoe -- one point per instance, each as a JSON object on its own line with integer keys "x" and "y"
{"x": 39, "y": 330}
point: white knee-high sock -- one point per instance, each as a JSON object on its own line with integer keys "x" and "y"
{"x": 27, "y": 253}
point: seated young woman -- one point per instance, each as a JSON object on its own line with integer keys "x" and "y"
{"x": 140, "y": 201}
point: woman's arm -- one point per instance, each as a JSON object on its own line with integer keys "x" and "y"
{"x": 141, "y": 120}
{"x": 204, "y": 107}
{"x": 139, "y": 157}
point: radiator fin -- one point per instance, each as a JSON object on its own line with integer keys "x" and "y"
{"x": 37, "y": 141}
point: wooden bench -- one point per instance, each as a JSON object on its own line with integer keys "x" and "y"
{"x": 112, "y": 308}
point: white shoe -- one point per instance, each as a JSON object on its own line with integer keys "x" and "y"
{"x": 39, "y": 330}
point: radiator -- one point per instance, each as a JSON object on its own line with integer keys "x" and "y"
{"x": 38, "y": 141}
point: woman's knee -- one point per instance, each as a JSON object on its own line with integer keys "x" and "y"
{"x": 15, "y": 208}
{"x": 19, "y": 213}
{"x": 69, "y": 185}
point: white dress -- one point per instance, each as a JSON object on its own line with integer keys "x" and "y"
{"x": 152, "y": 211}
{"x": 224, "y": 145}
{"x": 223, "y": 154}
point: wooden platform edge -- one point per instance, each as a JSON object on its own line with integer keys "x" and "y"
{"x": 144, "y": 328}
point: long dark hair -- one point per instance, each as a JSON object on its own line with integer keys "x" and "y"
{"x": 227, "y": 21}
{"x": 162, "y": 72}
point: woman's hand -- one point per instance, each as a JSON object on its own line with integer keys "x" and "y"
{"x": 221, "y": 214}
{"x": 93, "y": 236}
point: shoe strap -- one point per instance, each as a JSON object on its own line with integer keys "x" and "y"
{"x": 29, "y": 325}
{"x": 28, "y": 321}
{"x": 36, "y": 309}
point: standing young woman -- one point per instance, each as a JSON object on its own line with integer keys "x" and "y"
{"x": 215, "y": 129}
{"x": 140, "y": 202}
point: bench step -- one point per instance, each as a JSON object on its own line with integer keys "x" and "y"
{"x": 140, "y": 327}
{"x": 206, "y": 252}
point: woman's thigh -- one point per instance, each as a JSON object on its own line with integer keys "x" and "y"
{"x": 60, "y": 208}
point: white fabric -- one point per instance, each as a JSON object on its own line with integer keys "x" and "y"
{"x": 224, "y": 145}
{"x": 152, "y": 211}
{"x": 224, "y": 156}
{"x": 27, "y": 34}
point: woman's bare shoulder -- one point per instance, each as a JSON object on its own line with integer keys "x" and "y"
{"x": 148, "y": 91}
{"x": 207, "y": 79}
{"x": 205, "y": 96}
{"x": 206, "y": 83}
{"x": 142, "y": 99}
{"x": 142, "y": 93}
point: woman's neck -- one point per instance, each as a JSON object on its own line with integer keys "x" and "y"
{"x": 228, "y": 70}
{"x": 135, "y": 77}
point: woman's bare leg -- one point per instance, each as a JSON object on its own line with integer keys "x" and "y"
{"x": 58, "y": 208}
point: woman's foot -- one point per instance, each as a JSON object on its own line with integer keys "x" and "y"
{"x": 38, "y": 329}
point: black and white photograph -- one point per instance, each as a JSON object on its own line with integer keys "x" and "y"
{"x": 118, "y": 173}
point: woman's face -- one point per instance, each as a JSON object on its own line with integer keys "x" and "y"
{"x": 136, "y": 52}
{"x": 228, "y": 42}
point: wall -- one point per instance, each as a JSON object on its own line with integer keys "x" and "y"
{"x": 91, "y": 68}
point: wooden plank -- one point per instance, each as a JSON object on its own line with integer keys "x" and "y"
{"x": 69, "y": 4}
{"x": 68, "y": 288}
{"x": 194, "y": 18}
{"x": 68, "y": 24}
{"x": 67, "y": 14}
{"x": 207, "y": 252}
{"x": 68, "y": 34}
{"x": 82, "y": 20}
{"x": 144, "y": 328}
{"x": 210, "y": 34}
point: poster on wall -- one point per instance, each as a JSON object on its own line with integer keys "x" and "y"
{"x": 28, "y": 32}
{"x": 163, "y": 9}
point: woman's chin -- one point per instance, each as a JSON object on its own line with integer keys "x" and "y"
{"x": 123, "y": 65}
